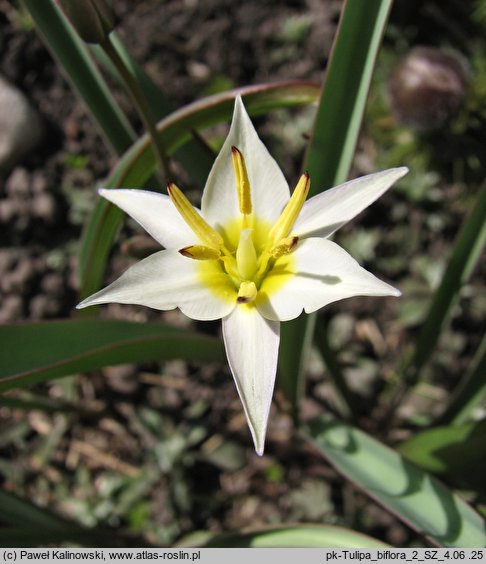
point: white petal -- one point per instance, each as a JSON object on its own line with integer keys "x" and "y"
{"x": 252, "y": 349}
{"x": 269, "y": 189}
{"x": 325, "y": 273}
{"x": 325, "y": 213}
{"x": 155, "y": 213}
{"x": 164, "y": 280}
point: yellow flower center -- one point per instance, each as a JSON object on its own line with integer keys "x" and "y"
{"x": 248, "y": 259}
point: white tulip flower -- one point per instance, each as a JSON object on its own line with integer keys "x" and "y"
{"x": 254, "y": 255}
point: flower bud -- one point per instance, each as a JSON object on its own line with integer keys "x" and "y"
{"x": 427, "y": 87}
{"x": 92, "y": 19}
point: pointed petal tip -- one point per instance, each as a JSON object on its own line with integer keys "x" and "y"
{"x": 85, "y": 303}
{"x": 392, "y": 291}
{"x": 401, "y": 171}
{"x": 259, "y": 450}
{"x": 239, "y": 107}
{"x": 258, "y": 440}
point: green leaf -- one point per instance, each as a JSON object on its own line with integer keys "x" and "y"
{"x": 35, "y": 526}
{"x": 348, "y": 78}
{"x": 177, "y": 128}
{"x": 73, "y": 55}
{"x": 456, "y": 453}
{"x": 465, "y": 255}
{"x": 41, "y": 536}
{"x": 414, "y": 496}
{"x": 331, "y": 151}
{"x": 194, "y": 156}
{"x": 470, "y": 391}
{"x": 16, "y": 511}
{"x": 297, "y": 536}
{"x": 43, "y": 351}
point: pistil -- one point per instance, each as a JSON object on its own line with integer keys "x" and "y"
{"x": 246, "y": 257}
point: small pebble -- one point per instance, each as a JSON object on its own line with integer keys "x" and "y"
{"x": 21, "y": 127}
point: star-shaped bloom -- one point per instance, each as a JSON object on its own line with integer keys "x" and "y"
{"x": 253, "y": 255}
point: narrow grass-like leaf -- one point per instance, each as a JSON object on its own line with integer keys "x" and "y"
{"x": 297, "y": 536}
{"x": 16, "y": 511}
{"x": 138, "y": 163}
{"x": 456, "y": 453}
{"x": 43, "y": 351}
{"x": 471, "y": 390}
{"x": 465, "y": 255}
{"x": 412, "y": 495}
{"x": 30, "y": 526}
{"x": 348, "y": 77}
{"x": 348, "y": 401}
{"x": 41, "y": 536}
{"x": 75, "y": 60}
{"x": 195, "y": 157}
{"x": 331, "y": 150}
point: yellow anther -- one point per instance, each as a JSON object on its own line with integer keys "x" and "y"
{"x": 284, "y": 247}
{"x": 200, "y": 252}
{"x": 246, "y": 257}
{"x": 247, "y": 292}
{"x": 242, "y": 182}
{"x": 285, "y": 222}
{"x": 203, "y": 230}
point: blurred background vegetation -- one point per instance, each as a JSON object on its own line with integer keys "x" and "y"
{"x": 161, "y": 449}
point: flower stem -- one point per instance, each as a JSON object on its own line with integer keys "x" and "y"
{"x": 139, "y": 101}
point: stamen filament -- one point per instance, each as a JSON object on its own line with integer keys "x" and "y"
{"x": 199, "y": 226}
{"x": 230, "y": 267}
{"x": 287, "y": 218}
{"x": 264, "y": 259}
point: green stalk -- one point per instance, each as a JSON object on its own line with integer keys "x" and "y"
{"x": 467, "y": 250}
{"x": 465, "y": 255}
{"x": 470, "y": 392}
{"x": 348, "y": 402}
{"x": 139, "y": 101}
{"x": 331, "y": 149}
{"x": 74, "y": 58}
{"x": 195, "y": 156}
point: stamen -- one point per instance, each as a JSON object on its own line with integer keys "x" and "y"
{"x": 202, "y": 229}
{"x": 242, "y": 181}
{"x": 200, "y": 252}
{"x": 284, "y": 247}
{"x": 285, "y": 222}
{"x": 247, "y": 292}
